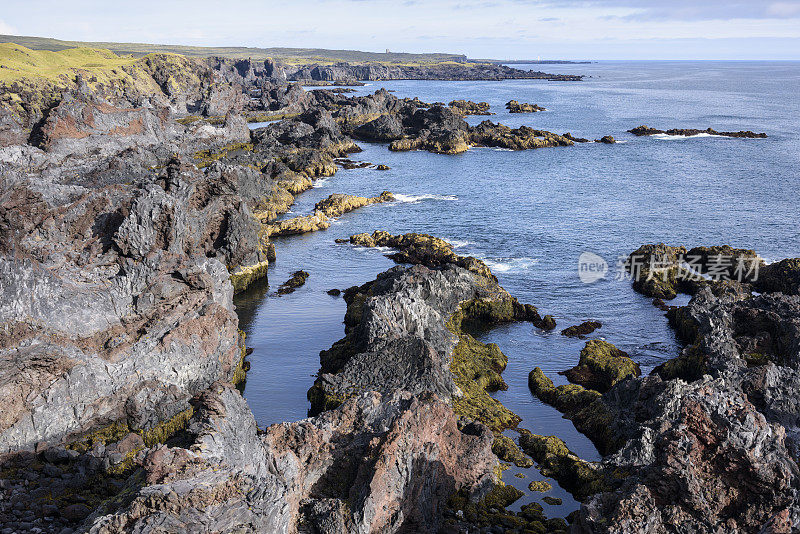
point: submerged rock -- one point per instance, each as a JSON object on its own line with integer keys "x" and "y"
{"x": 583, "y": 329}
{"x": 297, "y": 280}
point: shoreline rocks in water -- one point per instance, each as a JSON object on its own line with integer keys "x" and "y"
{"x": 435, "y": 252}
{"x": 133, "y": 206}
{"x": 516, "y": 107}
{"x": 434, "y": 71}
{"x": 661, "y": 271}
{"x": 646, "y": 130}
{"x": 297, "y": 280}
{"x": 468, "y": 107}
{"x": 583, "y": 329}
{"x": 335, "y": 205}
{"x": 601, "y": 366}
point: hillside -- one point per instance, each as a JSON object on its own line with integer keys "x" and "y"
{"x": 287, "y": 55}
{"x": 18, "y": 62}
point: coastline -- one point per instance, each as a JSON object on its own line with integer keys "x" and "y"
{"x": 251, "y": 178}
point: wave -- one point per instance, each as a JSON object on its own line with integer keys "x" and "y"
{"x": 320, "y": 182}
{"x": 382, "y": 250}
{"x": 667, "y": 137}
{"x": 510, "y": 265}
{"x": 458, "y": 243}
{"x": 414, "y": 199}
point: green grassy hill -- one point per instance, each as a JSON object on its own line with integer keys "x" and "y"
{"x": 20, "y": 62}
{"x": 288, "y": 55}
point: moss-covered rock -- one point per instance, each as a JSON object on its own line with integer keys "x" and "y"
{"x": 468, "y": 107}
{"x": 690, "y": 365}
{"x": 522, "y": 107}
{"x": 583, "y": 329}
{"x": 601, "y": 366}
{"x": 553, "y": 501}
{"x": 540, "y": 486}
{"x": 505, "y": 449}
{"x": 298, "y": 279}
{"x": 555, "y": 460}
{"x": 584, "y": 407}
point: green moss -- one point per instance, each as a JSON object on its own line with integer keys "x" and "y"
{"x": 204, "y": 158}
{"x": 269, "y": 117}
{"x": 690, "y": 365}
{"x": 601, "y": 366}
{"x": 502, "y": 495}
{"x": 476, "y": 370}
{"x": 244, "y": 276}
{"x": 108, "y": 434}
{"x": 321, "y": 400}
{"x": 242, "y": 366}
{"x": 555, "y": 460}
{"x": 540, "y": 486}
{"x": 505, "y": 449}
{"x": 555, "y": 501}
{"x": 584, "y": 407}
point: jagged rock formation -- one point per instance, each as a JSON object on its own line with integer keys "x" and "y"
{"x": 437, "y": 71}
{"x": 662, "y": 271}
{"x": 309, "y": 475}
{"x": 468, "y": 107}
{"x": 516, "y": 107}
{"x": 646, "y": 130}
{"x": 335, "y": 205}
{"x": 712, "y": 435}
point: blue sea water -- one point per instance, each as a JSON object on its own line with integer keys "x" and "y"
{"x": 530, "y": 215}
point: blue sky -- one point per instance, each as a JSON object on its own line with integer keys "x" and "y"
{"x": 508, "y": 29}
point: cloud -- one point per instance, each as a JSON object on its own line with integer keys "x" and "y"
{"x": 7, "y": 29}
{"x": 684, "y": 9}
{"x": 784, "y": 9}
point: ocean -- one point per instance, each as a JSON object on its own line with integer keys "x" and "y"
{"x": 530, "y": 215}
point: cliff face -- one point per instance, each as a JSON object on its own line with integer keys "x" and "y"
{"x": 437, "y": 71}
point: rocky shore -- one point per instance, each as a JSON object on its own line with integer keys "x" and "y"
{"x": 134, "y": 203}
{"x": 436, "y": 71}
{"x": 646, "y": 130}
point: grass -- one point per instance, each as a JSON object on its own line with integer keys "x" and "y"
{"x": 17, "y": 62}
{"x": 294, "y": 56}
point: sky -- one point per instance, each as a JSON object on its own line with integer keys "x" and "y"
{"x": 498, "y": 29}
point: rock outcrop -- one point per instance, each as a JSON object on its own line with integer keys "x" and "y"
{"x": 646, "y": 130}
{"x": 711, "y": 436}
{"x": 434, "y": 71}
{"x": 468, "y": 107}
{"x": 523, "y": 107}
{"x": 378, "y": 463}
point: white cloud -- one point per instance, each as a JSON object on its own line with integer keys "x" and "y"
{"x": 784, "y": 9}
{"x": 7, "y": 29}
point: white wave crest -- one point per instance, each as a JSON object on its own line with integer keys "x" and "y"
{"x": 667, "y": 137}
{"x": 459, "y": 243}
{"x": 414, "y": 199}
{"x": 510, "y": 265}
